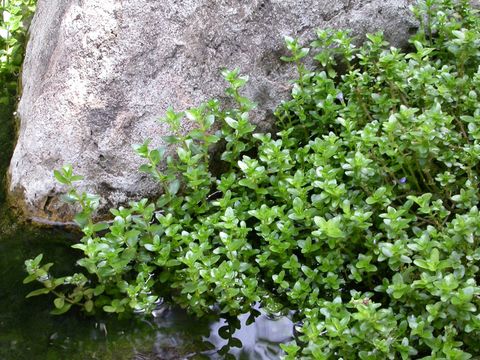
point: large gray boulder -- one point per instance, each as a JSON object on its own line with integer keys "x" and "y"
{"x": 98, "y": 74}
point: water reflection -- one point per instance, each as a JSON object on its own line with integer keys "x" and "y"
{"x": 252, "y": 336}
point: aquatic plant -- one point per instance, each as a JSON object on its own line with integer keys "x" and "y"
{"x": 360, "y": 214}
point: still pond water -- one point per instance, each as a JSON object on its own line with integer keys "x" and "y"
{"x": 28, "y": 331}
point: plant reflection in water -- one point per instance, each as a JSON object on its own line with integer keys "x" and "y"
{"x": 254, "y": 335}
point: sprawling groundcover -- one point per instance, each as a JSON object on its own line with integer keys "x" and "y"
{"x": 360, "y": 214}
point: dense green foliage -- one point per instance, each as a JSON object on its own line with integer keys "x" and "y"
{"x": 15, "y": 14}
{"x": 360, "y": 214}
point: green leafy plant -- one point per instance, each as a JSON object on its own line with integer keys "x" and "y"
{"x": 361, "y": 213}
{"x": 15, "y": 15}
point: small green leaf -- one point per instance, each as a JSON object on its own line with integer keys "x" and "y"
{"x": 60, "y": 178}
{"x": 38, "y": 292}
{"x": 62, "y": 310}
{"x": 109, "y": 309}
{"x": 30, "y": 278}
{"x": 88, "y": 306}
{"x": 231, "y": 122}
{"x": 59, "y": 302}
{"x": 100, "y": 226}
{"x": 173, "y": 187}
